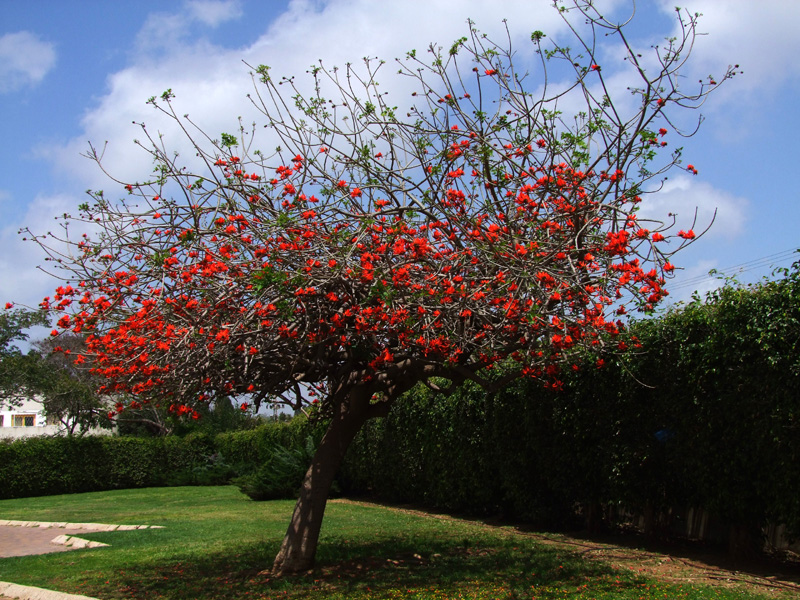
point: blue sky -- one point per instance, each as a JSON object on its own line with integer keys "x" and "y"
{"x": 81, "y": 71}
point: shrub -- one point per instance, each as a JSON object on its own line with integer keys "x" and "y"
{"x": 281, "y": 475}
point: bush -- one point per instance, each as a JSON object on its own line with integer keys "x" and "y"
{"x": 214, "y": 471}
{"x": 248, "y": 448}
{"x": 281, "y": 475}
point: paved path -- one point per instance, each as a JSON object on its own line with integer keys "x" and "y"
{"x": 24, "y": 541}
{"x": 24, "y": 592}
{"x": 22, "y": 538}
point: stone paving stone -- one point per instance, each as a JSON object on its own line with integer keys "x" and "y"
{"x": 23, "y": 538}
{"x": 24, "y": 541}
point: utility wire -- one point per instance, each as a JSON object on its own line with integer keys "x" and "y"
{"x": 764, "y": 261}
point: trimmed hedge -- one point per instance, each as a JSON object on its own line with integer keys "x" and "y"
{"x": 472, "y": 453}
{"x": 42, "y": 466}
{"x": 249, "y": 448}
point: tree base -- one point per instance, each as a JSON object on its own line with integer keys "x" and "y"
{"x": 284, "y": 566}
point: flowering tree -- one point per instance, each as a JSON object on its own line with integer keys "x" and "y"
{"x": 381, "y": 247}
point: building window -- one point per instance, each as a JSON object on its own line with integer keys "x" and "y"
{"x": 1, "y": 420}
{"x": 23, "y": 420}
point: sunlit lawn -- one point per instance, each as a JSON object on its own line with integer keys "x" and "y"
{"x": 216, "y": 542}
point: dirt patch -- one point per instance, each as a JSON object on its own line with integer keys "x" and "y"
{"x": 679, "y": 563}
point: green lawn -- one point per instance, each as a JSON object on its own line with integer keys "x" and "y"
{"x": 216, "y": 541}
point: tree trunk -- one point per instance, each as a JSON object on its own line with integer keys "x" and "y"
{"x": 299, "y": 546}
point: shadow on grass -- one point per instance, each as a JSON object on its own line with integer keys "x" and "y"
{"x": 394, "y": 567}
{"x": 783, "y": 566}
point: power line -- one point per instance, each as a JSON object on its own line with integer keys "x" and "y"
{"x": 764, "y": 261}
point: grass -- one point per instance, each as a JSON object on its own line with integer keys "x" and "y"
{"x": 216, "y": 542}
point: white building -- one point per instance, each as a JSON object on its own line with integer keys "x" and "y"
{"x": 25, "y": 418}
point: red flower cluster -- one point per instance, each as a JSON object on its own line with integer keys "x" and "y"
{"x": 238, "y": 289}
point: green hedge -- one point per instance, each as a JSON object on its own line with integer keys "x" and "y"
{"x": 726, "y": 377}
{"x": 41, "y": 466}
{"x": 251, "y": 447}
{"x": 475, "y": 453}
{"x": 59, "y": 465}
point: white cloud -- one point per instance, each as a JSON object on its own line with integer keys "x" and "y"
{"x": 167, "y": 34}
{"x": 21, "y": 282}
{"x": 695, "y": 205}
{"x": 214, "y": 12}
{"x": 24, "y": 60}
{"x": 211, "y": 82}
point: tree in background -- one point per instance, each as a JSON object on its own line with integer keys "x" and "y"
{"x": 156, "y": 420}
{"x": 14, "y": 323}
{"x": 67, "y": 392}
{"x": 478, "y": 234}
{"x": 15, "y": 367}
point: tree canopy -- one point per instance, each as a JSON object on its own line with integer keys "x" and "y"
{"x": 384, "y": 242}
{"x": 16, "y": 368}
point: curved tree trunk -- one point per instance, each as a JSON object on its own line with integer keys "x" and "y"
{"x": 299, "y": 546}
